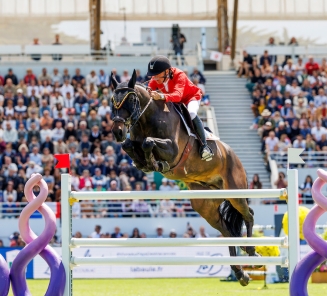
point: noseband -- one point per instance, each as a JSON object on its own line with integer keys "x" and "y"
{"x": 135, "y": 114}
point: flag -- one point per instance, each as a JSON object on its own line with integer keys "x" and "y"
{"x": 216, "y": 56}
{"x": 63, "y": 161}
{"x": 293, "y": 155}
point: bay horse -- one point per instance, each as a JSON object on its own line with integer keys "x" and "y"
{"x": 160, "y": 141}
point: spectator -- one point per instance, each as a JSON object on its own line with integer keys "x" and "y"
{"x": 202, "y": 232}
{"x": 10, "y": 75}
{"x": 199, "y": 76}
{"x": 103, "y": 78}
{"x": 265, "y": 56}
{"x": 320, "y": 98}
{"x": 245, "y": 65}
{"x": 322, "y": 144}
{"x": 81, "y": 103}
{"x": 311, "y": 66}
{"x": 28, "y": 78}
{"x": 141, "y": 208}
{"x": 289, "y": 67}
{"x": 271, "y": 143}
{"x": 318, "y": 131}
{"x": 104, "y": 109}
{"x": 159, "y": 231}
{"x": 167, "y": 207}
{"x": 173, "y": 186}
{"x": 56, "y": 77}
{"x": 93, "y": 79}
{"x": 9, "y": 86}
{"x": 44, "y": 76}
{"x": 255, "y": 183}
{"x": 139, "y": 77}
{"x": 58, "y": 132}
{"x": 67, "y": 88}
{"x": 135, "y": 233}
{"x": 287, "y": 110}
{"x": 36, "y": 57}
{"x": 57, "y": 57}
{"x": 10, "y": 134}
{"x": 78, "y": 78}
{"x": 9, "y": 208}
{"x": 117, "y": 233}
{"x": 305, "y": 188}
{"x": 97, "y": 232}
{"x": 10, "y": 191}
{"x": 299, "y": 142}
{"x": 172, "y": 233}
{"x": 281, "y": 182}
{"x": 125, "y": 77}
{"x": 164, "y": 185}
{"x": 33, "y": 169}
{"x": 115, "y": 75}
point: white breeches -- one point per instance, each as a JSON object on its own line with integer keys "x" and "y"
{"x": 193, "y": 108}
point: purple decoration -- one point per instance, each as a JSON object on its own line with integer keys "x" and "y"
{"x": 304, "y": 269}
{"x": 37, "y": 245}
{"x": 4, "y": 277}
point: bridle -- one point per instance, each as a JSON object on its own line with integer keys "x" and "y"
{"x": 136, "y": 114}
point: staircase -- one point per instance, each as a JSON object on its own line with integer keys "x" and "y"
{"x": 231, "y": 101}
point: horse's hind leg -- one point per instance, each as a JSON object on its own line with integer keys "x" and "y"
{"x": 208, "y": 209}
{"x": 238, "y": 181}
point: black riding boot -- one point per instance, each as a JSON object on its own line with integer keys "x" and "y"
{"x": 205, "y": 150}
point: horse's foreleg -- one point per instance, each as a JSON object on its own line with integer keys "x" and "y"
{"x": 129, "y": 147}
{"x": 158, "y": 152}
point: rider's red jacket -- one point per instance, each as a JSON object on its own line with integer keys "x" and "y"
{"x": 180, "y": 88}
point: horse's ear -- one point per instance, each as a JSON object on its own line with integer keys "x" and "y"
{"x": 113, "y": 80}
{"x": 132, "y": 81}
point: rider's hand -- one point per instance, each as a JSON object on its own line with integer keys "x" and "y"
{"x": 156, "y": 96}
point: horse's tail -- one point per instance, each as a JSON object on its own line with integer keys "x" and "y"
{"x": 231, "y": 217}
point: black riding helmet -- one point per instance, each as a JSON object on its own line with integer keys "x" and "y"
{"x": 157, "y": 65}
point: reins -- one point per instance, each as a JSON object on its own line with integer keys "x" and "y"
{"x": 136, "y": 108}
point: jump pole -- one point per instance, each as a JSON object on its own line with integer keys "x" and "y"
{"x": 66, "y": 231}
{"x": 293, "y": 156}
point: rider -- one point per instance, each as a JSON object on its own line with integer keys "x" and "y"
{"x": 176, "y": 87}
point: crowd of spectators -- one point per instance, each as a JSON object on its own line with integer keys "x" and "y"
{"x": 289, "y": 102}
{"x": 15, "y": 240}
{"x": 42, "y": 114}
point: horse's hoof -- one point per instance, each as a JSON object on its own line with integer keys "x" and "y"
{"x": 242, "y": 277}
{"x": 244, "y": 280}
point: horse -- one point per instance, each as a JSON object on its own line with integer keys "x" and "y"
{"x": 161, "y": 141}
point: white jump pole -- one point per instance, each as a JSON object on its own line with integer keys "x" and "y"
{"x": 201, "y": 260}
{"x": 66, "y": 231}
{"x": 293, "y": 209}
{"x": 183, "y": 194}
{"x": 178, "y": 242}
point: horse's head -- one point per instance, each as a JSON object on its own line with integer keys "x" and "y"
{"x": 125, "y": 107}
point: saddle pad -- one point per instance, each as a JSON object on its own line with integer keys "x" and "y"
{"x": 210, "y": 136}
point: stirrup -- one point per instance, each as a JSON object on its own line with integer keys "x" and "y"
{"x": 206, "y": 153}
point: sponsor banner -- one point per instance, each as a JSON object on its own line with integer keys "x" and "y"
{"x": 41, "y": 270}
{"x": 10, "y": 254}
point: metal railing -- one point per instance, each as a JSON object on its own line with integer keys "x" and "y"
{"x": 312, "y": 159}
